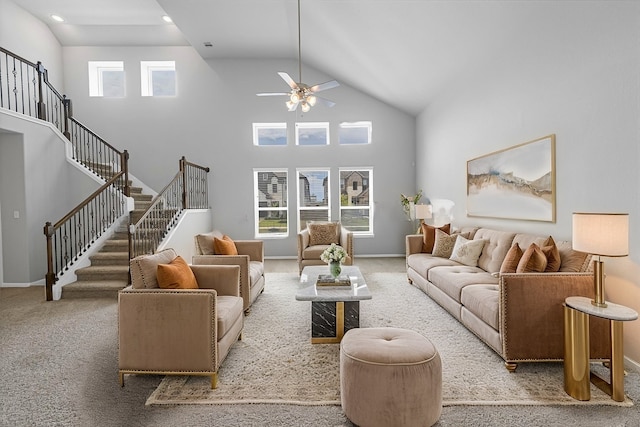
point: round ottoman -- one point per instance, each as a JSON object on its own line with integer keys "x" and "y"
{"x": 390, "y": 377}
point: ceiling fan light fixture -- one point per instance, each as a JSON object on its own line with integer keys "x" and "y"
{"x": 311, "y": 100}
{"x": 295, "y": 97}
{"x": 305, "y": 107}
{"x": 289, "y": 104}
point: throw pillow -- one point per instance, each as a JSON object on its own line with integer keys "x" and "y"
{"x": 443, "y": 245}
{"x": 429, "y": 236}
{"x": 176, "y": 275}
{"x": 467, "y": 251}
{"x": 323, "y": 233}
{"x": 511, "y": 260}
{"x": 533, "y": 260}
{"x": 224, "y": 246}
{"x": 551, "y": 252}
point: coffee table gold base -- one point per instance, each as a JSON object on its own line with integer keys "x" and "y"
{"x": 577, "y": 370}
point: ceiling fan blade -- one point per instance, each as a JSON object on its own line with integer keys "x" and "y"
{"x": 325, "y": 101}
{"x": 273, "y": 94}
{"x": 293, "y": 106}
{"x": 287, "y": 78}
{"x": 324, "y": 86}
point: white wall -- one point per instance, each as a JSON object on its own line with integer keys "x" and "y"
{"x": 577, "y": 78}
{"x": 28, "y": 37}
{"x": 210, "y": 122}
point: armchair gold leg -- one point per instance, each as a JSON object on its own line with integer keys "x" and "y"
{"x": 214, "y": 381}
{"x": 121, "y": 379}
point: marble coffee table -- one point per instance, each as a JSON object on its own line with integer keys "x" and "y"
{"x": 334, "y": 309}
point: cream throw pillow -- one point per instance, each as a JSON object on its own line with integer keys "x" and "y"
{"x": 444, "y": 243}
{"x": 467, "y": 251}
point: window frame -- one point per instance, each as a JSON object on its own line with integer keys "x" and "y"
{"x": 257, "y": 180}
{"x": 312, "y": 125}
{"x": 257, "y": 127}
{"x": 146, "y": 77}
{"x": 300, "y": 208}
{"x": 367, "y": 124}
{"x": 369, "y": 188}
{"x": 96, "y": 78}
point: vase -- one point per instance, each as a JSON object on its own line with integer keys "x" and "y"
{"x": 335, "y": 269}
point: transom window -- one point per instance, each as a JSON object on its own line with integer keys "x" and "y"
{"x": 312, "y": 133}
{"x": 106, "y": 79}
{"x": 355, "y": 133}
{"x": 268, "y": 134}
{"x": 158, "y": 78}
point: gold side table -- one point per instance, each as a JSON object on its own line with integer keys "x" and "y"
{"x": 577, "y": 371}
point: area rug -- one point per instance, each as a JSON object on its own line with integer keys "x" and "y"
{"x": 275, "y": 361}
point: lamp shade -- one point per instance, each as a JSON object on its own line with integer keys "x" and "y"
{"x": 605, "y": 234}
{"x": 423, "y": 211}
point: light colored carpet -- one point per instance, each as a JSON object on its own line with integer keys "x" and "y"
{"x": 276, "y": 363}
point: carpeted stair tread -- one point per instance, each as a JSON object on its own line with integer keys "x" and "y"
{"x": 103, "y": 272}
{"x": 109, "y": 258}
{"x": 93, "y": 289}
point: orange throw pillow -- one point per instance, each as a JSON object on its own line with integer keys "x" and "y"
{"x": 429, "y": 236}
{"x": 176, "y": 275}
{"x": 552, "y": 253}
{"x": 511, "y": 260}
{"x": 533, "y": 260}
{"x": 224, "y": 246}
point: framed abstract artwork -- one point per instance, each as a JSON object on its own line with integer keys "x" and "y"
{"x": 518, "y": 182}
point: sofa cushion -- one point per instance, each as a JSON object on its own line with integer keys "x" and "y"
{"x": 429, "y": 235}
{"x": 444, "y": 243}
{"x": 422, "y": 263}
{"x": 314, "y": 252}
{"x": 551, "y": 252}
{"x": 144, "y": 268}
{"x": 224, "y": 246}
{"x": 483, "y": 301}
{"x": 495, "y": 249}
{"x": 511, "y": 260}
{"x": 323, "y": 233}
{"x": 452, "y": 279}
{"x": 176, "y": 275}
{"x": 204, "y": 242}
{"x": 256, "y": 271}
{"x": 533, "y": 260}
{"x": 467, "y": 251}
{"x": 227, "y": 308}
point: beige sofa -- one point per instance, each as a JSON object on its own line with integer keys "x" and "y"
{"x": 178, "y": 331}
{"x": 519, "y": 315}
{"x": 250, "y": 258}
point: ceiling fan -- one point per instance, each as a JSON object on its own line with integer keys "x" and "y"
{"x": 301, "y": 93}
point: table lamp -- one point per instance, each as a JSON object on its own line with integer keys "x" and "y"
{"x": 601, "y": 234}
{"x": 422, "y": 212}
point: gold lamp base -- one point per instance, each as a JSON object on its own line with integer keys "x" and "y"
{"x": 598, "y": 281}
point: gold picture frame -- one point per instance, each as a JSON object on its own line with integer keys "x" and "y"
{"x": 518, "y": 182}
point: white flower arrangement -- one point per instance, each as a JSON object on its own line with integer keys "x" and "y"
{"x": 334, "y": 253}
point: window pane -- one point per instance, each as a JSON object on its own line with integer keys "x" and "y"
{"x": 313, "y": 215}
{"x": 113, "y": 84}
{"x": 356, "y": 220}
{"x": 314, "y": 188}
{"x": 271, "y": 215}
{"x": 355, "y": 133}
{"x": 163, "y": 82}
{"x": 106, "y": 78}
{"x": 268, "y": 134}
{"x": 355, "y": 192}
{"x": 273, "y": 222}
{"x": 158, "y": 78}
{"x": 312, "y": 133}
{"x": 272, "y": 189}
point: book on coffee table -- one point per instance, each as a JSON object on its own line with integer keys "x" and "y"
{"x": 329, "y": 280}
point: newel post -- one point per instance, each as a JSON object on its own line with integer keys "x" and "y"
{"x": 68, "y": 113}
{"x": 42, "y": 108}
{"x": 183, "y": 171}
{"x": 50, "y": 277}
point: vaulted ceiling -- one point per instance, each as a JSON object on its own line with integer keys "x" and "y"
{"x": 402, "y": 52}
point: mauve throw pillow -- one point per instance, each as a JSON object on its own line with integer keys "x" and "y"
{"x": 429, "y": 236}
{"x": 533, "y": 260}
{"x": 511, "y": 260}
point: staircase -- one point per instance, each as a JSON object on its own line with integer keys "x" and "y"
{"x": 109, "y": 269}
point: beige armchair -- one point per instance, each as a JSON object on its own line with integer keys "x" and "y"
{"x": 250, "y": 259}
{"x": 178, "y": 331}
{"x": 317, "y": 237}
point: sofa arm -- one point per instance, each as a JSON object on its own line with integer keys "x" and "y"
{"x": 303, "y": 242}
{"x": 225, "y": 279}
{"x": 346, "y": 241}
{"x": 532, "y": 315}
{"x": 253, "y": 248}
{"x": 167, "y": 330}
{"x": 413, "y": 244}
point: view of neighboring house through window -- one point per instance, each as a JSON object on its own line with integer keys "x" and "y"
{"x": 356, "y": 212}
{"x": 106, "y": 79}
{"x": 266, "y": 134}
{"x": 355, "y": 133}
{"x": 270, "y": 188}
{"x": 158, "y": 78}
{"x": 313, "y": 196}
{"x": 312, "y": 133}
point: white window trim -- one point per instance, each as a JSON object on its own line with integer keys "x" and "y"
{"x": 146, "y": 70}
{"x": 299, "y": 208}
{"x": 257, "y": 208}
{"x": 371, "y": 204}
{"x": 259, "y": 126}
{"x": 311, "y": 125}
{"x": 96, "y": 68}
{"x": 361, "y": 124}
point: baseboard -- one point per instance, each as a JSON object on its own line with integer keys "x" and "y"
{"x": 357, "y": 256}
{"x": 40, "y": 282}
{"x": 634, "y": 366}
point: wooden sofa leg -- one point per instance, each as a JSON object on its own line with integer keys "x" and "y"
{"x": 121, "y": 378}
{"x": 511, "y": 367}
{"x": 214, "y": 381}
